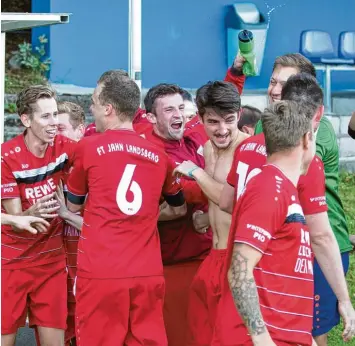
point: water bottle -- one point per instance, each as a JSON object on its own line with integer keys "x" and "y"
{"x": 246, "y": 48}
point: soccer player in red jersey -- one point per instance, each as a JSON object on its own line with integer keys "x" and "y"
{"x": 267, "y": 298}
{"x": 120, "y": 283}
{"x": 71, "y": 123}
{"x": 34, "y": 278}
{"x": 186, "y": 240}
{"x": 248, "y": 160}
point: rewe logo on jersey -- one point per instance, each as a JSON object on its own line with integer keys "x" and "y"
{"x": 41, "y": 190}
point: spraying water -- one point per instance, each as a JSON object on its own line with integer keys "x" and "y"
{"x": 270, "y": 10}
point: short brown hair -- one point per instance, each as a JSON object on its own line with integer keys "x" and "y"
{"x": 284, "y": 124}
{"x": 296, "y": 60}
{"x": 249, "y": 117}
{"x": 303, "y": 88}
{"x": 27, "y": 98}
{"x": 75, "y": 112}
{"x": 159, "y": 91}
{"x": 222, "y": 97}
{"x": 121, "y": 92}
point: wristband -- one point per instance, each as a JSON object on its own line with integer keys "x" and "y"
{"x": 190, "y": 173}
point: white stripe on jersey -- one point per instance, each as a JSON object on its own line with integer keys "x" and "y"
{"x": 41, "y": 170}
{"x": 284, "y": 294}
{"x": 287, "y": 330}
{"x": 286, "y": 276}
{"x": 294, "y": 209}
{"x": 285, "y": 312}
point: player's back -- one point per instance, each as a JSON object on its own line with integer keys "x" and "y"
{"x": 248, "y": 159}
{"x": 125, "y": 178}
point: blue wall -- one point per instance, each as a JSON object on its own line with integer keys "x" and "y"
{"x": 183, "y": 41}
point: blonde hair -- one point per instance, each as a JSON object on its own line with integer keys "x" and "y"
{"x": 76, "y": 113}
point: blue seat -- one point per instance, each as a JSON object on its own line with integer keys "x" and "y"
{"x": 347, "y": 45}
{"x": 317, "y": 46}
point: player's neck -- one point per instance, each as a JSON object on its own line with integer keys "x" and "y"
{"x": 35, "y": 145}
{"x": 290, "y": 165}
{"x": 119, "y": 125}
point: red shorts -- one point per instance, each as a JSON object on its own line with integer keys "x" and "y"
{"x": 228, "y": 331}
{"x": 114, "y": 312}
{"x": 39, "y": 291}
{"x": 178, "y": 279}
{"x": 205, "y": 294}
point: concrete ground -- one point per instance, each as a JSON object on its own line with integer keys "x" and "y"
{"x": 25, "y": 337}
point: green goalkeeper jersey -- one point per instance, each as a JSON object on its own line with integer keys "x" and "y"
{"x": 328, "y": 151}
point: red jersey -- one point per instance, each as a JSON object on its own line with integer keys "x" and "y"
{"x": 179, "y": 240}
{"x": 90, "y": 130}
{"x": 269, "y": 218}
{"x": 195, "y": 125}
{"x": 140, "y": 117}
{"x": 250, "y": 156}
{"x": 29, "y": 178}
{"x": 123, "y": 176}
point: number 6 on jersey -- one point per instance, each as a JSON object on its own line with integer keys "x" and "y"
{"x": 126, "y": 183}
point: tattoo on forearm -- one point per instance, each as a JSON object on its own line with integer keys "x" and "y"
{"x": 245, "y": 294}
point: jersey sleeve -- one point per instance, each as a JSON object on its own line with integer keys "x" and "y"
{"x": 232, "y": 175}
{"x": 237, "y": 80}
{"x": 259, "y": 215}
{"x": 192, "y": 192}
{"x": 172, "y": 189}
{"x": 311, "y": 189}
{"x": 9, "y": 187}
{"x": 77, "y": 180}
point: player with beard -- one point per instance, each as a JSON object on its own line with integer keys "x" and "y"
{"x": 185, "y": 240}
{"x": 218, "y": 105}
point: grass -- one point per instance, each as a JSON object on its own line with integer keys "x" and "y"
{"x": 347, "y": 194}
{"x": 17, "y": 80}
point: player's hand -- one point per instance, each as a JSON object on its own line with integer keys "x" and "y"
{"x": 59, "y": 196}
{"x": 201, "y": 221}
{"x": 238, "y": 63}
{"x": 163, "y": 205}
{"x": 31, "y": 224}
{"x": 45, "y": 207}
{"x": 347, "y": 313}
{"x": 186, "y": 168}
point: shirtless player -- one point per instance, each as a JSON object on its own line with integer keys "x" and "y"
{"x": 218, "y": 104}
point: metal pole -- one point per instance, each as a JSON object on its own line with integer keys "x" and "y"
{"x": 135, "y": 41}
{"x": 328, "y": 89}
{"x": 2, "y": 87}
